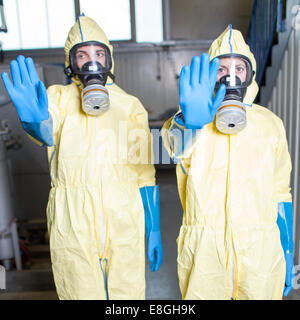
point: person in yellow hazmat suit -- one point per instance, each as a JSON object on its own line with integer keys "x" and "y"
{"x": 103, "y": 193}
{"x": 233, "y": 174}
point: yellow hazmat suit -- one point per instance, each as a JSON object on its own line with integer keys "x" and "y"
{"x": 95, "y": 212}
{"x": 229, "y": 185}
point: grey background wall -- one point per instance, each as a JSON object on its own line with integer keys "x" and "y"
{"x": 202, "y": 19}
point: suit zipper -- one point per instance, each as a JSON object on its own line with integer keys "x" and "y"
{"x": 102, "y": 258}
{"x": 229, "y": 218}
{"x": 99, "y": 166}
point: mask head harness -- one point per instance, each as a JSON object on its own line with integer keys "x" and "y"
{"x": 236, "y": 88}
{"x": 235, "y": 72}
{"x": 91, "y": 62}
{"x": 91, "y": 71}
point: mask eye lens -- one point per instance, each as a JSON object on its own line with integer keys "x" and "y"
{"x": 90, "y": 51}
{"x": 237, "y": 67}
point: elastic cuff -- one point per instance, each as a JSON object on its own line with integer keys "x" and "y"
{"x": 179, "y": 120}
{"x": 41, "y": 131}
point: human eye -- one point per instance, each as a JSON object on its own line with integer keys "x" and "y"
{"x": 239, "y": 69}
{"x": 221, "y": 70}
{"x": 100, "y": 54}
{"x": 80, "y": 55}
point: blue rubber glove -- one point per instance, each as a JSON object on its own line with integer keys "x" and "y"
{"x": 196, "y": 92}
{"x": 150, "y": 197}
{"x": 29, "y": 96}
{"x": 285, "y": 224}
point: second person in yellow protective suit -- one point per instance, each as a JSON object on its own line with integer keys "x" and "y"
{"x": 231, "y": 184}
{"x": 102, "y": 180}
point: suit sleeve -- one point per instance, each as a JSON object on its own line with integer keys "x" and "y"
{"x": 283, "y": 169}
{"x": 140, "y": 153}
{"x": 43, "y": 133}
{"x": 178, "y": 140}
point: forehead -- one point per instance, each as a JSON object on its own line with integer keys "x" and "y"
{"x": 229, "y": 61}
{"x": 93, "y": 48}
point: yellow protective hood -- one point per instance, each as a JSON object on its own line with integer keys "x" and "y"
{"x": 232, "y": 41}
{"x": 86, "y": 29}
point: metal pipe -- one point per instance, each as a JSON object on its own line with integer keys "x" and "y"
{"x": 77, "y": 8}
{"x": 274, "y": 95}
{"x": 166, "y": 20}
{"x": 296, "y": 159}
{"x": 132, "y": 20}
{"x": 279, "y": 93}
{"x": 9, "y": 242}
{"x": 3, "y": 27}
{"x": 291, "y": 89}
{"x": 285, "y": 89}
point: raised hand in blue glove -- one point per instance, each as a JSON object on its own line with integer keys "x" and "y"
{"x": 196, "y": 92}
{"x": 150, "y": 197}
{"x": 29, "y": 96}
{"x": 27, "y": 91}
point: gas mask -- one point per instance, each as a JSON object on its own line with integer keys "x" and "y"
{"x": 91, "y": 62}
{"x": 236, "y": 73}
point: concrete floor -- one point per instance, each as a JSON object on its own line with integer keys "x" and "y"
{"x": 36, "y": 283}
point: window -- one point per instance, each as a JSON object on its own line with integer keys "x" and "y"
{"x": 112, "y": 16}
{"x": 149, "y": 27}
{"x": 36, "y": 24}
